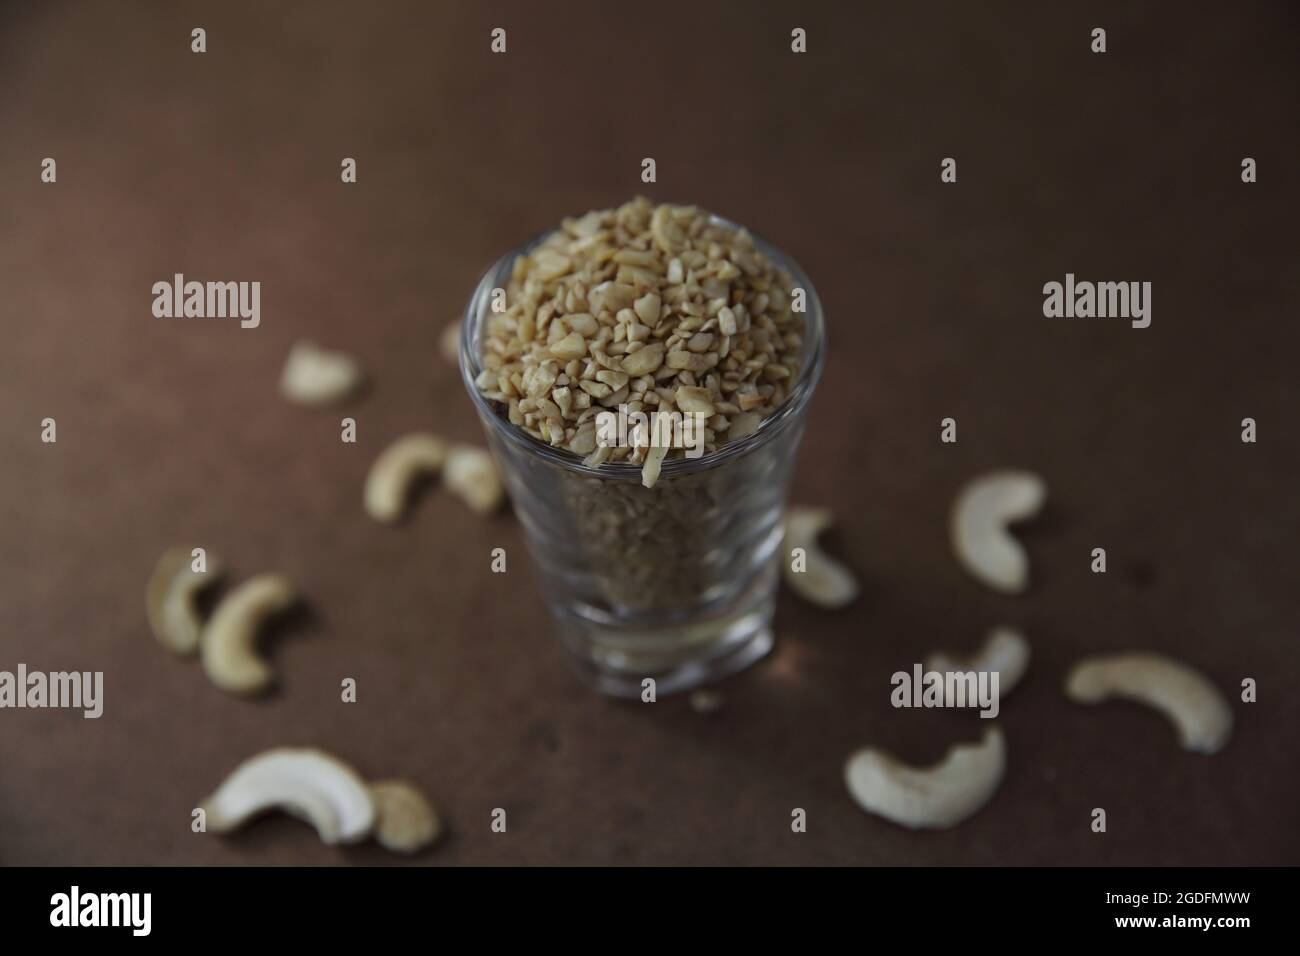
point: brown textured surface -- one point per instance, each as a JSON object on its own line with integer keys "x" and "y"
{"x": 225, "y": 166}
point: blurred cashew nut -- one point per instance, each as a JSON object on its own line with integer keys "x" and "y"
{"x": 472, "y": 475}
{"x": 449, "y": 342}
{"x": 228, "y": 644}
{"x": 934, "y": 797}
{"x": 980, "y": 516}
{"x": 389, "y": 482}
{"x": 1194, "y": 705}
{"x": 170, "y": 599}
{"x": 406, "y": 822}
{"x": 1006, "y": 652}
{"x": 316, "y": 376}
{"x": 309, "y": 784}
{"x": 824, "y": 581}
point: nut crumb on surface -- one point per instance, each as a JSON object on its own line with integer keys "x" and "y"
{"x": 706, "y": 701}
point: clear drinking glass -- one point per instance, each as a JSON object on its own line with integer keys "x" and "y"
{"x": 675, "y": 582}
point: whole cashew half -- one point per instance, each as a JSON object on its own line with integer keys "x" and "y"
{"x": 980, "y": 516}
{"x": 824, "y": 581}
{"x": 228, "y": 645}
{"x": 309, "y": 784}
{"x": 1006, "y": 651}
{"x": 169, "y": 599}
{"x": 1195, "y": 706}
{"x": 934, "y": 797}
{"x": 398, "y": 466}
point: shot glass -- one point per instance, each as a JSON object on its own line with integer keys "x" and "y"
{"x": 676, "y": 582}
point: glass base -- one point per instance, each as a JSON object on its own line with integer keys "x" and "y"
{"x": 615, "y": 657}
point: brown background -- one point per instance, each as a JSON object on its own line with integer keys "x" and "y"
{"x": 226, "y": 166}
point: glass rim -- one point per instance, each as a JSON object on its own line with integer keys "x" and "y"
{"x": 812, "y": 358}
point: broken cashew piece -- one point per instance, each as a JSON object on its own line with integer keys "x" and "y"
{"x": 472, "y": 475}
{"x": 406, "y": 822}
{"x": 980, "y": 516}
{"x": 309, "y": 784}
{"x": 1195, "y": 706}
{"x": 316, "y": 376}
{"x": 928, "y": 798}
{"x": 654, "y": 463}
{"x": 824, "y": 581}
{"x": 228, "y": 645}
{"x": 1006, "y": 652}
{"x": 398, "y": 466}
{"x": 170, "y": 595}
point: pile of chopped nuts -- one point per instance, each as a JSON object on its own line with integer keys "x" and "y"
{"x": 657, "y": 308}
